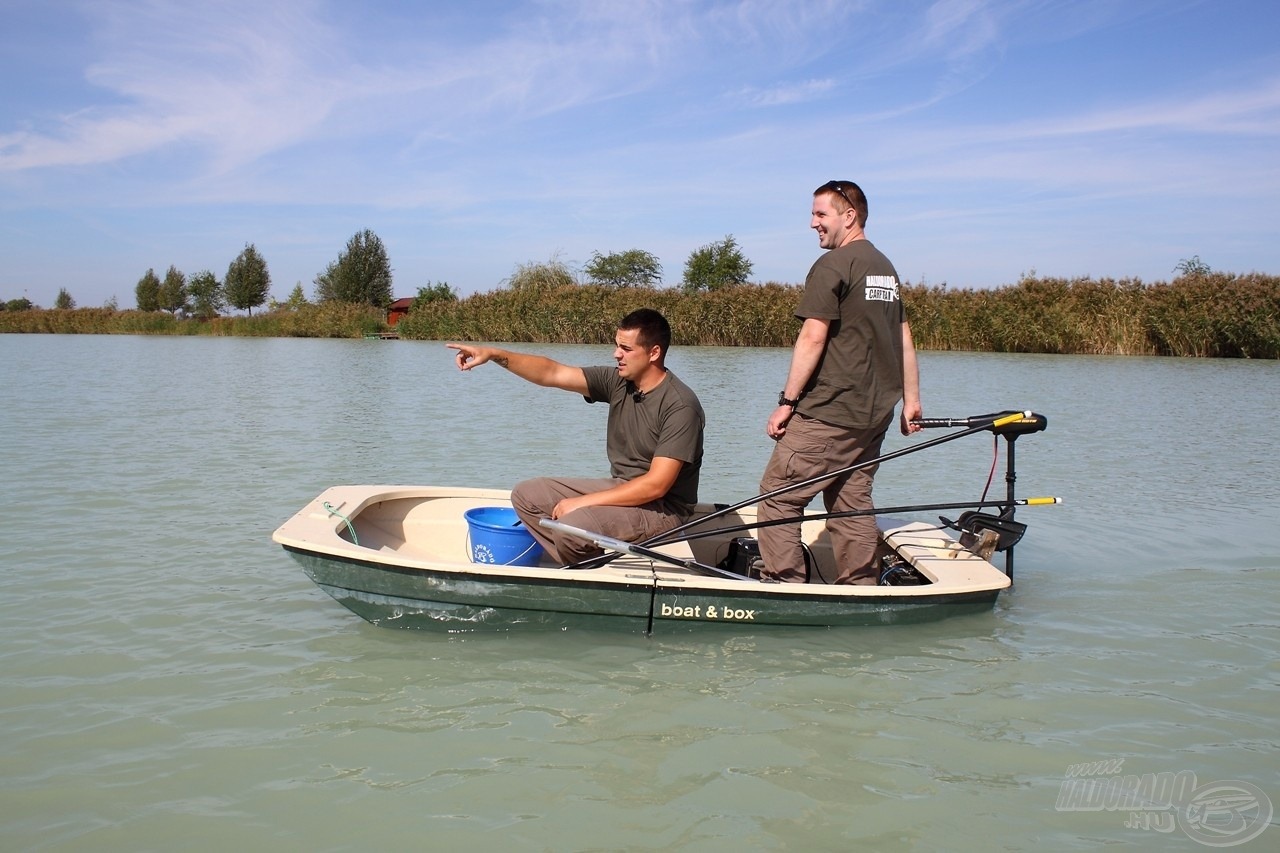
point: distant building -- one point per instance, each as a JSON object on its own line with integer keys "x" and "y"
{"x": 398, "y": 309}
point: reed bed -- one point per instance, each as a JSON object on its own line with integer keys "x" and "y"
{"x": 749, "y": 315}
{"x": 326, "y": 320}
{"x": 1210, "y": 315}
{"x": 1216, "y": 315}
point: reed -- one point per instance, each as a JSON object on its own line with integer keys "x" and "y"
{"x": 1218, "y": 315}
{"x": 747, "y": 315}
{"x": 1042, "y": 315}
{"x": 1214, "y": 315}
{"x": 322, "y": 320}
{"x": 326, "y": 320}
{"x": 1201, "y": 314}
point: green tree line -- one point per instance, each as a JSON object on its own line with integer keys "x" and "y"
{"x": 362, "y": 275}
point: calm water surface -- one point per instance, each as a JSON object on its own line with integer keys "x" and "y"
{"x": 171, "y": 680}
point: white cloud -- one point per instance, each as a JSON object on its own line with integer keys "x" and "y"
{"x": 787, "y": 93}
{"x": 1254, "y": 110}
{"x": 237, "y": 82}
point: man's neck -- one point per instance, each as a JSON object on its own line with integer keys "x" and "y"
{"x": 651, "y": 379}
{"x": 852, "y": 237}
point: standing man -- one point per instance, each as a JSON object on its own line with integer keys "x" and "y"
{"x": 853, "y": 361}
{"x": 653, "y": 440}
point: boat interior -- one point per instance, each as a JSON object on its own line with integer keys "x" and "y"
{"x": 428, "y": 525}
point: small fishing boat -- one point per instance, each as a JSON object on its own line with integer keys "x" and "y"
{"x": 455, "y": 558}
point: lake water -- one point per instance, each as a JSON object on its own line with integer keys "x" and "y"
{"x": 169, "y": 679}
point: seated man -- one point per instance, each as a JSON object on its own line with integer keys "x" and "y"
{"x": 653, "y": 440}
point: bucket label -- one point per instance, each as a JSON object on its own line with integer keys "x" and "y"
{"x": 495, "y": 536}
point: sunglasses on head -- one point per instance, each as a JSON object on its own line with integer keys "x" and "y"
{"x": 834, "y": 186}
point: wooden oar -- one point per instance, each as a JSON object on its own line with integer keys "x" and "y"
{"x": 866, "y": 463}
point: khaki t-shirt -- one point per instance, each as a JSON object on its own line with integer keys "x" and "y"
{"x": 859, "y": 380}
{"x": 668, "y": 421}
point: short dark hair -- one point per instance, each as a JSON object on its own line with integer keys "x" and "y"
{"x": 846, "y": 194}
{"x": 653, "y": 327}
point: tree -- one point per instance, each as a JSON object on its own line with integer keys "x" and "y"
{"x": 1192, "y": 266}
{"x": 247, "y": 282}
{"x": 20, "y": 304}
{"x": 361, "y": 274}
{"x": 148, "y": 292}
{"x": 64, "y": 300}
{"x": 207, "y": 297}
{"x": 173, "y": 291}
{"x": 632, "y": 268}
{"x": 715, "y": 266}
{"x": 297, "y": 298}
{"x": 441, "y": 292}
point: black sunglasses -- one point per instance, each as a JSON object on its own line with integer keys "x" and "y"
{"x": 834, "y": 186}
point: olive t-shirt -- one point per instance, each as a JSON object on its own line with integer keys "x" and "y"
{"x": 668, "y": 421}
{"x": 859, "y": 380}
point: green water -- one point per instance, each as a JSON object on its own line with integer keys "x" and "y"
{"x": 169, "y": 679}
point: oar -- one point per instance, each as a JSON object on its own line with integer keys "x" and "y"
{"x": 850, "y": 513}
{"x": 866, "y": 463}
{"x": 635, "y": 550}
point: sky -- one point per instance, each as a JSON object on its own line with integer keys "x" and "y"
{"x": 993, "y": 138}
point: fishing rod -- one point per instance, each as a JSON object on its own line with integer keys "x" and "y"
{"x": 855, "y": 513}
{"x": 636, "y": 550}
{"x": 621, "y": 547}
{"x": 976, "y": 424}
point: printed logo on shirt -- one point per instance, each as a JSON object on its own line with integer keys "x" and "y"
{"x": 882, "y": 288}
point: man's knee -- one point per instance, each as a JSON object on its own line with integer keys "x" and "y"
{"x": 528, "y": 494}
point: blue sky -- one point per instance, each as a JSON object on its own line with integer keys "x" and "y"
{"x": 1063, "y": 137}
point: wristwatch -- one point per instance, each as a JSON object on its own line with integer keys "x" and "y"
{"x": 783, "y": 401}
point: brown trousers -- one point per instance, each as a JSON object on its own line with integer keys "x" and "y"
{"x": 535, "y": 499}
{"x": 809, "y": 448}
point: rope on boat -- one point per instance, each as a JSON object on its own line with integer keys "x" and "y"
{"x": 332, "y": 512}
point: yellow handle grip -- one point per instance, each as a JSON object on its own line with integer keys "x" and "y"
{"x": 1008, "y": 419}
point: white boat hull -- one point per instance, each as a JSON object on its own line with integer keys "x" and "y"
{"x": 407, "y": 564}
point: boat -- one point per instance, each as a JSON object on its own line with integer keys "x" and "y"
{"x": 407, "y": 556}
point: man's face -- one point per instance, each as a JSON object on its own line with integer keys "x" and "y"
{"x": 632, "y": 357}
{"x": 832, "y": 225}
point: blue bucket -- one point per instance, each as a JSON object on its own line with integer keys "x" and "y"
{"x": 495, "y": 535}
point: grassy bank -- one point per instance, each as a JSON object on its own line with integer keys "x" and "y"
{"x": 1206, "y": 315}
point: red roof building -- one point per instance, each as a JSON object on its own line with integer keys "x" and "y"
{"x": 398, "y": 309}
